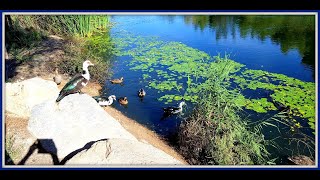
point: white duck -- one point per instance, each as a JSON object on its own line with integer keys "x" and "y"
{"x": 106, "y": 102}
{"x": 141, "y": 93}
{"x": 174, "y": 110}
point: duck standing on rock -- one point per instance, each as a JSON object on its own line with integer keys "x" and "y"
{"x": 174, "y": 110}
{"x": 57, "y": 77}
{"x": 141, "y": 93}
{"x": 117, "y": 81}
{"x": 106, "y": 102}
{"x": 77, "y": 82}
{"x": 123, "y": 100}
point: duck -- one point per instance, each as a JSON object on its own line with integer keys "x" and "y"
{"x": 57, "y": 77}
{"x": 174, "y": 110}
{"x": 105, "y": 102}
{"x": 77, "y": 82}
{"x": 117, "y": 81}
{"x": 141, "y": 93}
{"x": 123, "y": 100}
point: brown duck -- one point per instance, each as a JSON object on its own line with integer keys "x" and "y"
{"x": 117, "y": 81}
{"x": 57, "y": 77}
{"x": 123, "y": 100}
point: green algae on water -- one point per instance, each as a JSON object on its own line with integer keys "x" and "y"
{"x": 183, "y": 71}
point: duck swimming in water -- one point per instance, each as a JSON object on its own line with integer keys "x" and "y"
{"x": 141, "y": 93}
{"x": 117, "y": 81}
{"x": 105, "y": 102}
{"x": 77, "y": 82}
{"x": 123, "y": 100}
{"x": 174, "y": 110}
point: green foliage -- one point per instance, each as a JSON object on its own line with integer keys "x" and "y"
{"x": 166, "y": 85}
{"x": 291, "y": 93}
{"x": 173, "y": 61}
{"x": 64, "y": 25}
{"x": 258, "y": 105}
{"x": 99, "y": 44}
{"x": 78, "y": 50}
{"x": 90, "y": 39}
{"x": 19, "y": 38}
{"x": 215, "y": 134}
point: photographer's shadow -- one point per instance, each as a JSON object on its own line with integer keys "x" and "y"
{"x": 39, "y": 144}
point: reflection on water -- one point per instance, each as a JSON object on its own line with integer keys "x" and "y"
{"x": 290, "y": 32}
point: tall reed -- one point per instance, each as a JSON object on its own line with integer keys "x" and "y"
{"x": 79, "y": 25}
{"x": 215, "y": 133}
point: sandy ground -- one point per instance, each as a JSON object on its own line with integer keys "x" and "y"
{"x": 143, "y": 134}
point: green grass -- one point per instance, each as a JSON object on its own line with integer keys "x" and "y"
{"x": 10, "y": 150}
{"x": 64, "y": 25}
{"x": 25, "y": 31}
{"x": 215, "y": 134}
{"x": 87, "y": 38}
{"x": 18, "y": 37}
{"x": 97, "y": 49}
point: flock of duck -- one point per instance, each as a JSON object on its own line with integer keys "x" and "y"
{"x": 79, "y": 81}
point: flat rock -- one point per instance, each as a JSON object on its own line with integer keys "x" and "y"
{"x": 122, "y": 152}
{"x": 21, "y": 97}
{"x": 67, "y": 126}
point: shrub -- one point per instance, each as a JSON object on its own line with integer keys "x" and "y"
{"x": 215, "y": 133}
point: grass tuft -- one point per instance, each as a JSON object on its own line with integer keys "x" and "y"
{"x": 215, "y": 134}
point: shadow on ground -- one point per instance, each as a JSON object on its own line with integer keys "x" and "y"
{"x": 51, "y": 149}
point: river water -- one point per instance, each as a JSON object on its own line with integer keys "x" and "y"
{"x": 277, "y": 44}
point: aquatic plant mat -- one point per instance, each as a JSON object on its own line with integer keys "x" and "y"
{"x": 276, "y": 101}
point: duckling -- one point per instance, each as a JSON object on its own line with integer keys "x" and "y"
{"x": 141, "y": 93}
{"x": 174, "y": 110}
{"x": 117, "y": 81}
{"x": 57, "y": 77}
{"x": 123, "y": 100}
{"x": 105, "y": 102}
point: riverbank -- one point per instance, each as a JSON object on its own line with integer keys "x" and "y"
{"x": 42, "y": 66}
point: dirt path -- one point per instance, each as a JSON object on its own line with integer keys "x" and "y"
{"x": 39, "y": 61}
